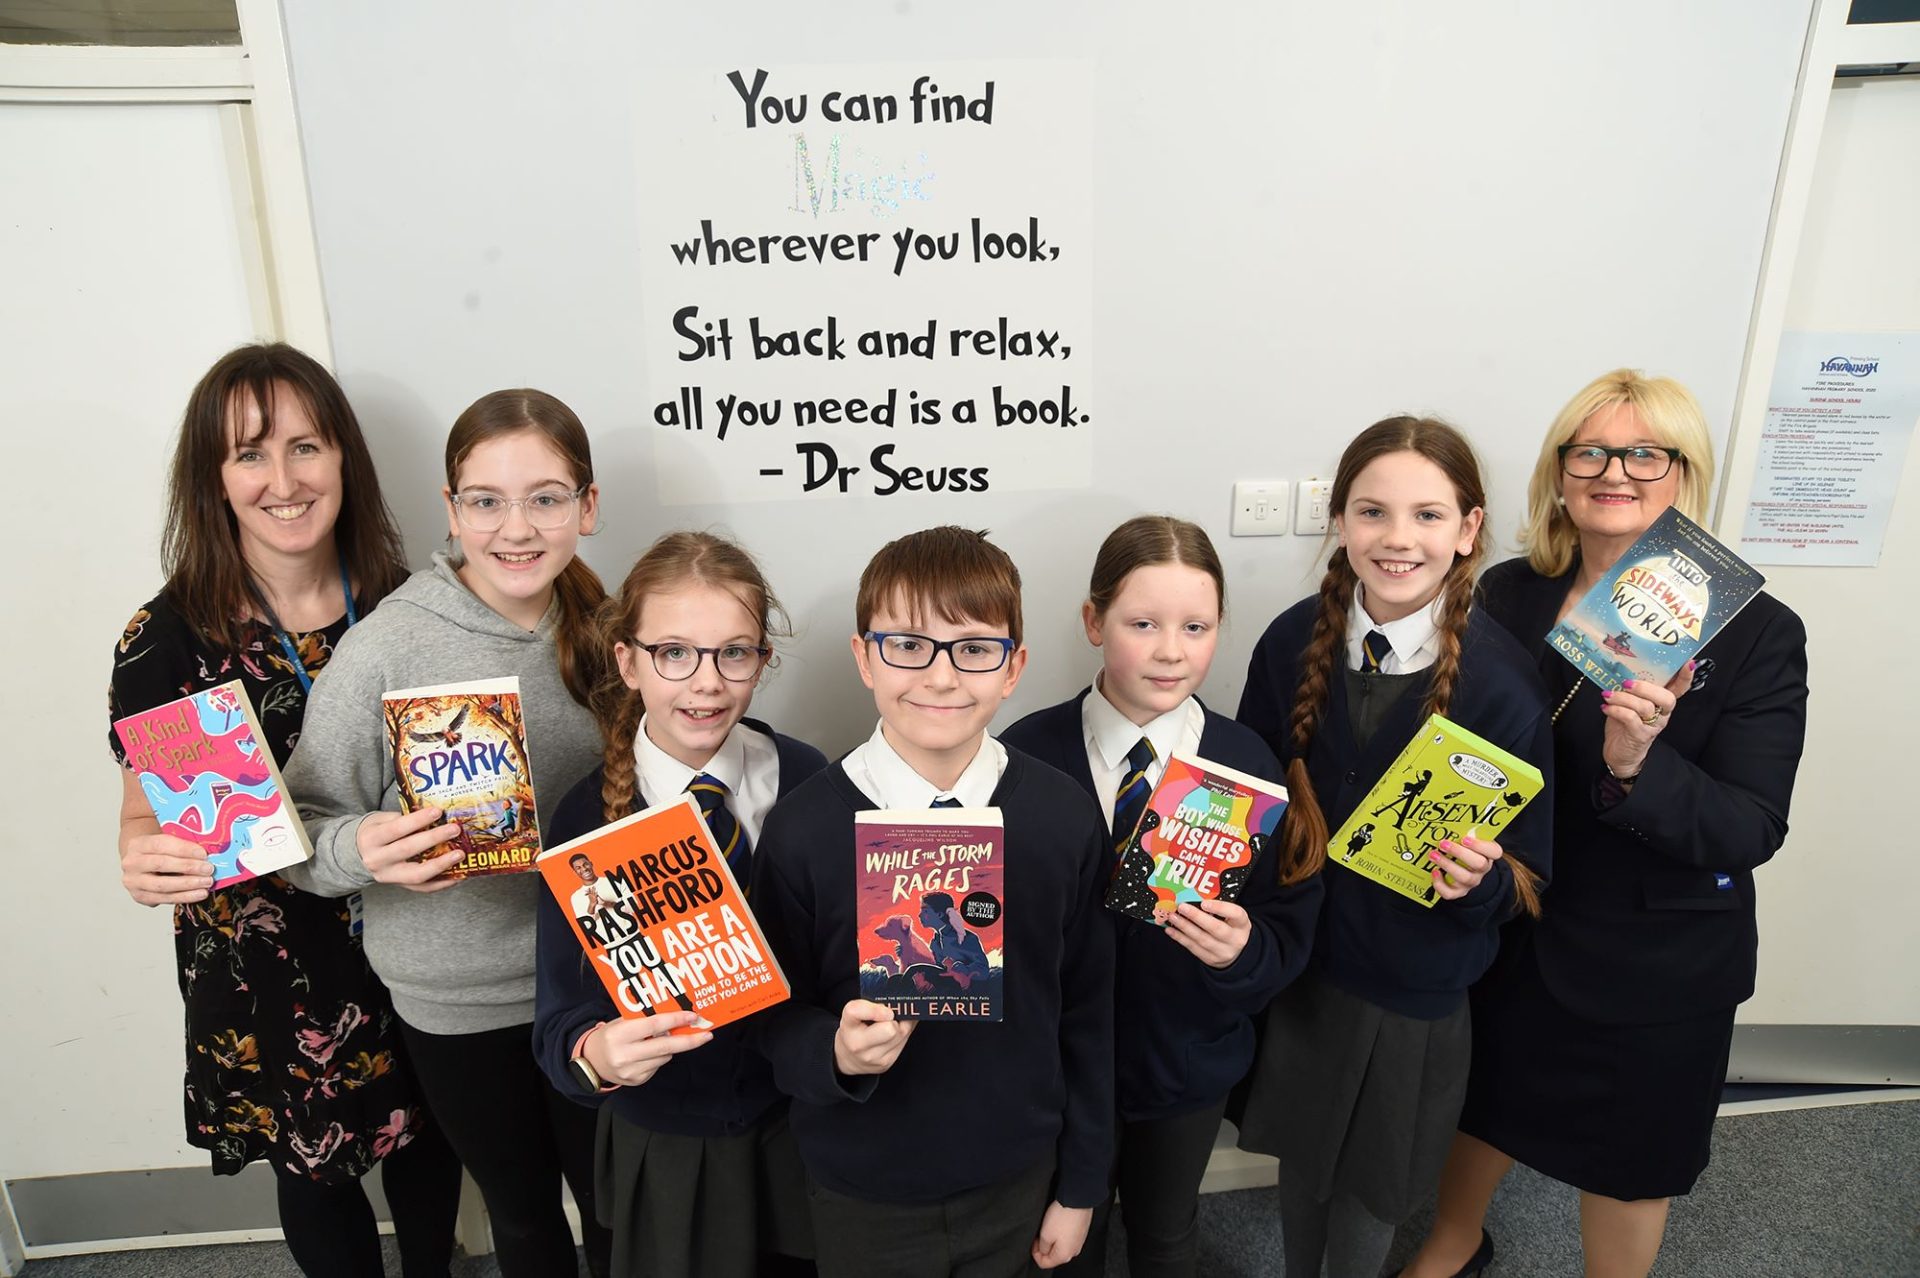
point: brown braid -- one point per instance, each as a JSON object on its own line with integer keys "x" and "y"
{"x": 620, "y": 783}
{"x": 1303, "y": 834}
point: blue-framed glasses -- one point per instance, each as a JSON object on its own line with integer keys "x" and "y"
{"x": 978, "y": 655}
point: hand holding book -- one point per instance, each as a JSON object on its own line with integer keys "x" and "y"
{"x": 389, "y": 842}
{"x": 869, "y": 1039}
{"x": 1460, "y": 864}
{"x": 1214, "y": 931}
{"x": 1636, "y": 713}
{"x": 630, "y": 1050}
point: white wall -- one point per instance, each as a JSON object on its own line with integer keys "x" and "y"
{"x": 1837, "y": 935}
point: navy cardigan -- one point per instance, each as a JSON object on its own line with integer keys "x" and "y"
{"x": 965, "y": 1104}
{"x": 1183, "y": 1031}
{"x": 721, "y": 1089}
{"x": 1652, "y": 917}
{"x": 1406, "y": 957}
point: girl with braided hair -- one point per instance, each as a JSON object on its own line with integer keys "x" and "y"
{"x": 1363, "y": 1062}
{"x": 698, "y": 1175}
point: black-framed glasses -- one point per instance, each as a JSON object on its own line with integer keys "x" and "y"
{"x": 981, "y": 654}
{"x": 736, "y": 662}
{"x": 483, "y": 511}
{"x": 1645, "y": 462}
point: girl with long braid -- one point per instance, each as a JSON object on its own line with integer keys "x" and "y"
{"x": 1362, "y": 1064}
{"x": 700, "y": 1178}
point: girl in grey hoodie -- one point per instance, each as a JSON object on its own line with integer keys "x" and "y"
{"x": 458, "y": 954}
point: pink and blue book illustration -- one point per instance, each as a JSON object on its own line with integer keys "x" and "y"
{"x": 205, "y": 771}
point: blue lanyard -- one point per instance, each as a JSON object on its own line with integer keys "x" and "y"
{"x": 286, "y": 640}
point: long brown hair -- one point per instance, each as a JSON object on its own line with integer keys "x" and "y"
{"x": 506, "y": 412}
{"x": 207, "y": 577}
{"x": 1304, "y": 833}
{"x": 1144, "y": 542}
{"x": 676, "y": 560}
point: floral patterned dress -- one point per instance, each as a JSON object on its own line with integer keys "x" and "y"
{"x": 292, "y": 1048}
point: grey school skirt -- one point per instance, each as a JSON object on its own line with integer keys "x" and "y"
{"x": 699, "y": 1207}
{"x": 1354, "y": 1099}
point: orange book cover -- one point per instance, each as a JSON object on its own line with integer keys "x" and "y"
{"x": 662, "y": 919}
{"x": 462, "y": 748}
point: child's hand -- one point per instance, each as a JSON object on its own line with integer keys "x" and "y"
{"x": 1213, "y": 931}
{"x": 1063, "y": 1232}
{"x": 632, "y": 1049}
{"x": 163, "y": 869}
{"x": 388, "y": 842}
{"x": 869, "y": 1038}
{"x": 1459, "y": 866}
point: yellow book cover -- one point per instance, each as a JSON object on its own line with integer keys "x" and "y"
{"x": 1445, "y": 784}
{"x": 462, "y": 748}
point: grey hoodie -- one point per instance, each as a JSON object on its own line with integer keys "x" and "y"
{"x": 458, "y": 961}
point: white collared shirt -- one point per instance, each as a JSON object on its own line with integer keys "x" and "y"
{"x": 1109, "y": 735}
{"x": 890, "y": 781}
{"x": 747, "y": 763}
{"x": 1415, "y": 637}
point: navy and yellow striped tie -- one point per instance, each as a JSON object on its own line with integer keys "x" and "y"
{"x": 710, "y": 792}
{"x": 1130, "y": 800}
{"x": 1374, "y": 650}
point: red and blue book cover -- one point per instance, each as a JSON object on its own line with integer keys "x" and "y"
{"x": 207, "y": 774}
{"x": 930, "y": 894}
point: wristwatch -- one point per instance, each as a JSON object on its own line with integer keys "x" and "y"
{"x": 583, "y": 1071}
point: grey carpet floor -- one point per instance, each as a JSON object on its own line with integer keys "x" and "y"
{"x": 1815, "y": 1193}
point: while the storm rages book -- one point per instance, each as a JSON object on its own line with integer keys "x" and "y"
{"x": 1446, "y": 783}
{"x": 1197, "y": 838}
{"x": 210, "y": 779}
{"x": 929, "y": 896}
{"x": 462, "y": 748}
{"x": 1671, "y": 592}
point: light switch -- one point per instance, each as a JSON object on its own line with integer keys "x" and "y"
{"x": 1259, "y": 508}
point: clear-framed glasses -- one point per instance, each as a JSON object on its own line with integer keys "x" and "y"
{"x": 979, "y": 655}
{"x": 1644, "y": 462}
{"x": 483, "y": 511}
{"x": 736, "y": 662}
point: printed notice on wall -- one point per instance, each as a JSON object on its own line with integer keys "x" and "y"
{"x": 867, "y": 279}
{"x": 1841, "y": 413}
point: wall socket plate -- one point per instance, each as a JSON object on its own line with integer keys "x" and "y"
{"x": 1316, "y": 495}
{"x": 1259, "y": 508}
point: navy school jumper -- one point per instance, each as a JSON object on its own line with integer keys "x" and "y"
{"x": 1371, "y": 941}
{"x": 1183, "y": 1031}
{"x": 965, "y": 1104}
{"x": 721, "y": 1089}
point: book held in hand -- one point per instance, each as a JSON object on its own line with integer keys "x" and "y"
{"x": 1448, "y": 782}
{"x": 1671, "y": 592}
{"x": 930, "y": 894}
{"x": 462, "y": 748}
{"x": 662, "y": 920}
{"x": 205, "y": 769}
{"x": 1197, "y": 838}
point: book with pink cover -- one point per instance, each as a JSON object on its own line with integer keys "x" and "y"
{"x": 204, "y": 767}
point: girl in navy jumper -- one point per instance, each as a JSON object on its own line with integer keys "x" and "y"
{"x": 1363, "y": 1062}
{"x": 697, "y": 1173}
{"x": 1185, "y": 994}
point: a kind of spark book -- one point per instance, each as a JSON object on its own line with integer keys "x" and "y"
{"x": 205, "y": 769}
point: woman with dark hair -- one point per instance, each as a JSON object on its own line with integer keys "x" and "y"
{"x": 276, "y": 541}
{"x": 1600, "y": 1040}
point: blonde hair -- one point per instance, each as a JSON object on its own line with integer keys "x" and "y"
{"x": 1672, "y": 418}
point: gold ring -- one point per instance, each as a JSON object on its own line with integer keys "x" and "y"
{"x": 1650, "y": 720}
{"x": 1660, "y": 713}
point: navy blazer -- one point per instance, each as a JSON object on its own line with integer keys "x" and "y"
{"x": 1409, "y": 958}
{"x": 720, "y": 1089}
{"x": 1652, "y": 914}
{"x": 1183, "y": 1031}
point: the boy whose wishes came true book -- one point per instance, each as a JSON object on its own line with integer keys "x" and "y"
{"x": 662, "y": 919}
{"x": 1447, "y": 783}
{"x": 1669, "y": 594}
{"x": 209, "y": 780}
{"x": 1202, "y": 827}
{"x": 930, "y": 887}
{"x": 462, "y": 748}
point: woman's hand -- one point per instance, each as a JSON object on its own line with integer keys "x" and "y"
{"x": 631, "y": 1050}
{"x": 1213, "y": 931}
{"x": 1637, "y": 713}
{"x": 156, "y": 868}
{"x": 1460, "y": 865}
{"x": 388, "y": 842}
